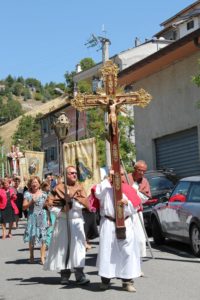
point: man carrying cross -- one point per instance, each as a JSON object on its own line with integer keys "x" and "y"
{"x": 117, "y": 258}
{"x": 116, "y": 205}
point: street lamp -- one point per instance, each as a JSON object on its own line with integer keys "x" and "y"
{"x": 61, "y": 128}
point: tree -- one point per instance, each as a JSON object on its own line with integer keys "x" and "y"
{"x": 28, "y": 134}
{"x": 26, "y": 93}
{"x": 70, "y": 83}
{"x": 34, "y": 83}
{"x": 127, "y": 147}
{"x": 84, "y": 87}
{"x": 3, "y": 157}
{"x": 96, "y": 128}
{"x": 87, "y": 63}
{"x": 9, "y": 81}
{"x": 10, "y": 109}
{"x": 17, "y": 88}
{"x": 196, "y": 78}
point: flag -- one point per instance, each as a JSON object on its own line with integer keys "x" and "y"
{"x": 32, "y": 164}
{"x": 83, "y": 155}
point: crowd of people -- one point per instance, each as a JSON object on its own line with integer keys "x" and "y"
{"x": 61, "y": 219}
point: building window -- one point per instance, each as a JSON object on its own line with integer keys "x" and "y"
{"x": 46, "y": 155}
{"x": 51, "y": 122}
{"x": 53, "y": 153}
{"x": 190, "y": 24}
{"x": 44, "y": 126}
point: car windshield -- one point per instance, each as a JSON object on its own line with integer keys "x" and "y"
{"x": 159, "y": 183}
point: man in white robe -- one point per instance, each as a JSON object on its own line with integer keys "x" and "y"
{"x": 117, "y": 258}
{"x": 142, "y": 187}
{"x": 57, "y": 252}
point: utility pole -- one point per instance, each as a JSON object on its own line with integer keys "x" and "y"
{"x": 103, "y": 44}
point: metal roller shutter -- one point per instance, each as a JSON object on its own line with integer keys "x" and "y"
{"x": 179, "y": 151}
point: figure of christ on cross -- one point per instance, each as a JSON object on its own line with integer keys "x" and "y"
{"x": 113, "y": 108}
{"x": 112, "y": 102}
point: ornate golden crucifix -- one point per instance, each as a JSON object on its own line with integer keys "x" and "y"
{"x": 112, "y": 101}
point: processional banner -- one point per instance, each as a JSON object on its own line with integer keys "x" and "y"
{"x": 32, "y": 164}
{"x": 83, "y": 155}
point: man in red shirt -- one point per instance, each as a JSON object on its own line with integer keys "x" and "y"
{"x": 138, "y": 181}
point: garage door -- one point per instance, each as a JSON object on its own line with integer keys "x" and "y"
{"x": 179, "y": 151}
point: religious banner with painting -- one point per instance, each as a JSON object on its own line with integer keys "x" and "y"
{"x": 83, "y": 155}
{"x": 32, "y": 164}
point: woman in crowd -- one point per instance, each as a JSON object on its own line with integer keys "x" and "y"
{"x": 51, "y": 217}
{"x": 8, "y": 207}
{"x": 19, "y": 201}
{"x": 90, "y": 225}
{"x": 36, "y": 229}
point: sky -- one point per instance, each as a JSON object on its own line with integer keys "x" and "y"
{"x": 44, "y": 39}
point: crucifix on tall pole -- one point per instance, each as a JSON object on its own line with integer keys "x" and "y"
{"x": 104, "y": 43}
{"x": 111, "y": 101}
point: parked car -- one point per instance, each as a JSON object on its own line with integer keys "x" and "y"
{"x": 179, "y": 217}
{"x": 161, "y": 182}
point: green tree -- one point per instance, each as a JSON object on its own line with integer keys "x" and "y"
{"x": 96, "y": 128}
{"x": 13, "y": 108}
{"x": 9, "y": 81}
{"x": 196, "y": 81}
{"x": 33, "y": 83}
{"x": 70, "y": 83}
{"x": 38, "y": 96}
{"x": 1, "y": 141}
{"x": 127, "y": 147}
{"x": 196, "y": 78}
{"x": 21, "y": 80}
{"x": 17, "y": 88}
{"x": 27, "y": 94}
{"x": 28, "y": 134}
{"x": 87, "y": 63}
{"x": 84, "y": 87}
{"x": 3, "y": 158}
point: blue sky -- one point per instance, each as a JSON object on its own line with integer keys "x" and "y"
{"x": 43, "y": 39}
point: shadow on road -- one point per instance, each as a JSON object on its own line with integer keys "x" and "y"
{"x": 93, "y": 286}
{"x": 23, "y": 261}
{"x": 91, "y": 259}
{"x": 176, "y": 248}
{"x": 36, "y": 280}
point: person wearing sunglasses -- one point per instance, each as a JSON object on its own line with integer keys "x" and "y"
{"x": 67, "y": 202}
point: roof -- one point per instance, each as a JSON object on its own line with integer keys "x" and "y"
{"x": 161, "y": 59}
{"x": 7, "y": 130}
{"x": 128, "y": 55}
{"x": 191, "y": 178}
{"x": 168, "y": 23}
{"x": 180, "y": 13}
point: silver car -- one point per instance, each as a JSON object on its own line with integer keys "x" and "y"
{"x": 178, "y": 217}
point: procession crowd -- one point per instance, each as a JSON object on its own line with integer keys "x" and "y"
{"x": 61, "y": 220}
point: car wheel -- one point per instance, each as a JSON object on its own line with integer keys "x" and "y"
{"x": 157, "y": 234}
{"x": 195, "y": 240}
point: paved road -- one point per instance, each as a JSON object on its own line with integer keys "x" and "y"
{"x": 172, "y": 275}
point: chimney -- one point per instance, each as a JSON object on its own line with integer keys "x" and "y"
{"x": 137, "y": 42}
{"x": 78, "y": 68}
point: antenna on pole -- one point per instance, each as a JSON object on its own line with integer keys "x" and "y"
{"x": 103, "y": 44}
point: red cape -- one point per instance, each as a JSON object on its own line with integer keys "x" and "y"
{"x": 131, "y": 194}
{"x": 127, "y": 190}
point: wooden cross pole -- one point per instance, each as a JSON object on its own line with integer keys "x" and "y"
{"x": 111, "y": 100}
